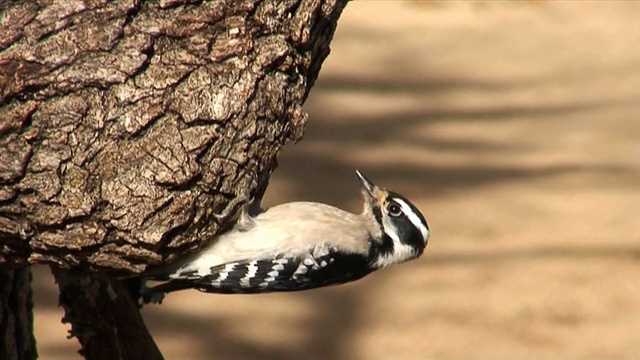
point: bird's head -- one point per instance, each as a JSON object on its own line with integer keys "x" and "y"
{"x": 400, "y": 230}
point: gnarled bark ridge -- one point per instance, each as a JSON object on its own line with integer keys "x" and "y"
{"x": 127, "y": 124}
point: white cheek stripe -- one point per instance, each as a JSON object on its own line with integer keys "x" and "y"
{"x": 390, "y": 230}
{"x": 400, "y": 253}
{"x": 415, "y": 220}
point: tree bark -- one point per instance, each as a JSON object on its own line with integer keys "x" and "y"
{"x": 126, "y": 125}
{"x": 16, "y": 317}
{"x": 104, "y": 317}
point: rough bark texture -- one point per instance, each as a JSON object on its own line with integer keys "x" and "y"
{"x": 124, "y": 125}
{"x": 16, "y": 317}
{"x": 88, "y": 300}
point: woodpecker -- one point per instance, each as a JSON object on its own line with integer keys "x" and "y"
{"x": 303, "y": 245}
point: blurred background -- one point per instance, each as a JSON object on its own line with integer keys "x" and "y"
{"x": 515, "y": 127}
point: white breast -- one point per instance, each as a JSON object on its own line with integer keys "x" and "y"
{"x": 292, "y": 229}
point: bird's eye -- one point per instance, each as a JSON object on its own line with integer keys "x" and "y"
{"x": 394, "y": 209}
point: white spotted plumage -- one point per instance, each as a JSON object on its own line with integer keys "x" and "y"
{"x": 252, "y": 269}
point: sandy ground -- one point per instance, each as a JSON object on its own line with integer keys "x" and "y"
{"x": 514, "y": 127}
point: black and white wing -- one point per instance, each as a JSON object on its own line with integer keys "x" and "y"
{"x": 272, "y": 275}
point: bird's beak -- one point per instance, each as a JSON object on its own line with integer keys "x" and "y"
{"x": 366, "y": 184}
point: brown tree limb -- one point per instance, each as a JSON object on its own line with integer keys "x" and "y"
{"x": 126, "y": 124}
{"x": 16, "y": 316}
{"x": 104, "y": 317}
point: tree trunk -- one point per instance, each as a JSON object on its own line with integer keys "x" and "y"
{"x": 88, "y": 300}
{"x": 16, "y": 317}
{"x": 126, "y": 125}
